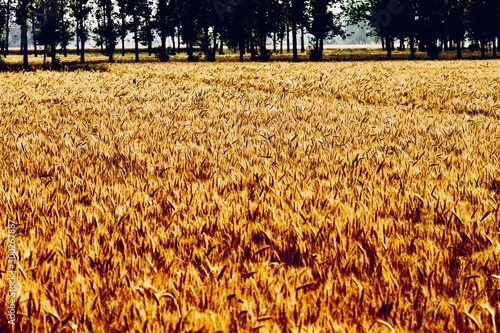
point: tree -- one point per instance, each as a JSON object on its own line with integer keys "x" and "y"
{"x": 455, "y": 23}
{"x": 431, "y": 16}
{"x": 3, "y": 25}
{"x": 282, "y": 17}
{"x": 110, "y": 32}
{"x": 146, "y": 33}
{"x": 48, "y": 12}
{"x": 106, "y": 32}
{"x": 22, "y": 12}
{"x": 123, "y": 23}
{"x": 165, "y": 23}
{"x": 6, "y": 14}
{"x": 190, "y": 28}
{"x": 297, "y": 8}
{"x": 64, "y": 26}
{"x": 405, "y": 23}
{"x": 323, "y": 23}
{"x": 482, "y": 19}
{"x": 137, "y": 10}
{"x": 236, "y": 23}
{"x": 99, "y": 31}
{"x": 386, "y": 18}
{"x": 81, "y": 10}
{"x": 212, "y": 28}
{"x": 264, "y": 21}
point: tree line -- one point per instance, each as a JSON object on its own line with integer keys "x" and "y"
{"x": 247, "y": 25}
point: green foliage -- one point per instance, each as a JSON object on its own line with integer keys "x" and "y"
{"x": 56, "y": 64}
{"x": 265, "y": 55}
{"x": 193, "y": 58}
{"x": 162, "y": 55}
{"x": 314, "y": 54}
{"x": 3, "y": 65}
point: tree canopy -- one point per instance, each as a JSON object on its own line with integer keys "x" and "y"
{"x": 247, "y": 25}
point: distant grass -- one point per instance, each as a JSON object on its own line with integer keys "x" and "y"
{"x": 14, "y": 61}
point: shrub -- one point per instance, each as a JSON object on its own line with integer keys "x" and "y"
{"x": 3, "y": 65}
{"x": 314, "y": 54}
{"x": 87, "y": 68}
{"x": 162, "y": 56}
{"x": 266, "y": 56}
{"x": 194, "y": 58}
{"x": 433, "y": 51}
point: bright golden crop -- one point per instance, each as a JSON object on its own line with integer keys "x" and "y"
{"x": 231, "y": 197}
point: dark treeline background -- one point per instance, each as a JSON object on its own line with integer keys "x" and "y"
{"x": 246, "y": 26}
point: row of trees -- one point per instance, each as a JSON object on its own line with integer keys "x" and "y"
{"x": 247, "y": 25}
{"x": 431, "y": 25}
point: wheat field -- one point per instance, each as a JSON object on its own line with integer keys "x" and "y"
{"x": 228, "y": 197}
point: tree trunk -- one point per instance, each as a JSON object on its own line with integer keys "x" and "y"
{"x": 136, "y": 37}
{"x": 412, "y": 48}
{"x": 82, "y": 48}
{"x": 221, "y": 47}
{"x": 494, "y": 47}
{"x": 163, "y": 48}
{"x": 7, "y": 28}
{"x": 483, "y": 49}
{"x": 82, "y": 36}
{"x": 24, "y": 38}
{"x": 302, "y": 40}
{"x": 321, "y": 49}
{"x": 53, "y": 42}
{"x": 287, "y": 38}
{"x": 295, "y": 56}
{"x": 383, "y": 43}
{"x": 123, "y": 33}
{"x": 45, "y": 56}
{"x": 150, "y": 39}
{"x": 65, "y": 42}
{"x": 215, "y": 44}
{"x": 263, "y": 49}
{"x": 459, "y": 49}
{"x": 178, "y": 43}
{"x": 110, "y": 47}
{"x": 252, "y": 49}
{"x": 205, "y": 44}
{"x": 77, "y": 40}
{"x": 35, "y": 51}
{"x": 173, "y": 42}
{"x": 241, "y": 46}
{"x": 388, "y": 47}
{"x": 54, "y": 64}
